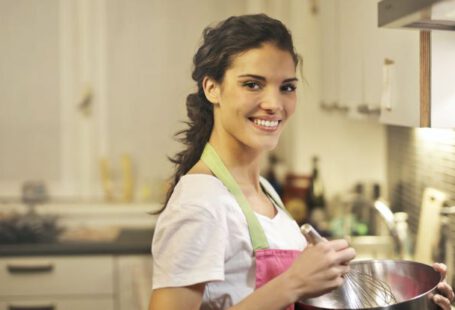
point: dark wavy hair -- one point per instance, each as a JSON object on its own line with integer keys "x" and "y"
{"x": 219, "y": 47}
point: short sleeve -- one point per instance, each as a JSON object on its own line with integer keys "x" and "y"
{"x": 188, "y": 246}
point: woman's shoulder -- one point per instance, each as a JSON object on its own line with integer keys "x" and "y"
{"x": 200, "y": 168}
{"x": 199, "y": 185}
{"x": 199, "y": 191}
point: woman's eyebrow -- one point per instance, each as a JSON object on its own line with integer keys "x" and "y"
{"x": 254, "y": 76}
{"x": 291, "y": 80}
{"x": 259, "y": 77}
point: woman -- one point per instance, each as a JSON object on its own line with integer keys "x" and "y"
{"x": 224, "y": 239}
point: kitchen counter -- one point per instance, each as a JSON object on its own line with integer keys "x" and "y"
{"x": 128, "y": 242}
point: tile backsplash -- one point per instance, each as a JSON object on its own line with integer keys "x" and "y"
{"x": 416, "y": 159}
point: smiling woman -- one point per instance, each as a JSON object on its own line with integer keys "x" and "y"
{"x": 224, "y": 238}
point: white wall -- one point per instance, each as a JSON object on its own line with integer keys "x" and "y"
{"x": 349, "y": 150}
{"x": 138, "y": 59}
{"x": 29, "y": 96}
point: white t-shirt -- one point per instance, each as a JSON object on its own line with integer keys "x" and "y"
{"x": 202, "y": 236}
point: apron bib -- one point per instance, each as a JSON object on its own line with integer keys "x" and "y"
{"x": 269, "y": 262}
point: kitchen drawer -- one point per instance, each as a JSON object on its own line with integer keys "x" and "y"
{"x": 58, "y": 304}
{"x": 69, "y": 275}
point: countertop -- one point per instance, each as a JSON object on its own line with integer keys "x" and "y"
{"x": 130, "y": 241}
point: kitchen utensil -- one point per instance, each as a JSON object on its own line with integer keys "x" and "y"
{"x": 412, "y": 283}
{"x": 429, "y": 224}
{"x": 362, "y": 289}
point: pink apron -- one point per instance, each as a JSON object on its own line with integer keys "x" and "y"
{"x": 269, "y": 262}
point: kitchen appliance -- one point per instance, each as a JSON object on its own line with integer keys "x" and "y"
{"x": 417, "y": 14}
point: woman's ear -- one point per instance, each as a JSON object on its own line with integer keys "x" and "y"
{"x": 211, "y": 90}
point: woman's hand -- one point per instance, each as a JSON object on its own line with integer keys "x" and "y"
{"x": 446, "y": 296}
{"x": 320, "y": 268}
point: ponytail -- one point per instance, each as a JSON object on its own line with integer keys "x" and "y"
{"x": 200, "y": 124}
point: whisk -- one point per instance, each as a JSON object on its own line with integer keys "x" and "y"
{"x": 360, "y": 289}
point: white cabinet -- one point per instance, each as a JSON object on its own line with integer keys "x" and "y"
{"x": 422, "y": 75}
{"x": 133, "y": 283}
{"x": 56, "y": 304}
{"x": 57, "y": 276}
{"x": 350, "y": 77}
{"x": 75, "y": 282}
{"x": 379, "y": 73}
{"x": 442, "y": 61}
{"x": 346, "y": 58}
{"x": 391, "y": 70}
{"x": 400, "y": 89}
{"x": 344, "y": 53}
{"x": 330, "y": 53}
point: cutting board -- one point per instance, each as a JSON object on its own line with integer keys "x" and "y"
{"x": 429, "y": 225}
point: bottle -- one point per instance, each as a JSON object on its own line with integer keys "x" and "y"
{"x": 360, "y": 211}
{"x": 316, "y": 198}
{"x": 295, "y": 193}
{"x": 271, "y": 175}
{"x": 316, "y": 201}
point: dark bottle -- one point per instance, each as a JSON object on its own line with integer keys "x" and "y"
{"x": 316, "y": 198}
{"x": 271, "y": 175}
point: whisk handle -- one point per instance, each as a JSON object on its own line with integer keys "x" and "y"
{"x": 311, "y": 235}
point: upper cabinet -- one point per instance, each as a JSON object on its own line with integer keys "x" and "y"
{"x": 393, "y": 76}
{"x": 440, "y": 80}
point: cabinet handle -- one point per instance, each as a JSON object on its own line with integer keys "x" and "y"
{"x": 365, "y": 109}
{"x": 334, "y": 106}
{"x": 30, "y": 268}
{"x": 36, "y": 307}
{"x": 387, "y": 77}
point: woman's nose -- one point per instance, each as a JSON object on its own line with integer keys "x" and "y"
{"x": 272, "y": 101}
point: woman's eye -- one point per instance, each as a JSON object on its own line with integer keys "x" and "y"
{"x": 252, "y": 85}
{"x": 288, "y": 88}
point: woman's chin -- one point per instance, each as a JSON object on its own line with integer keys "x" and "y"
{"x": 267, "y": 145}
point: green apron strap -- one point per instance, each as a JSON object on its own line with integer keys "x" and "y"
{"x": 268, "y": 190}
{"x": 216, "y": 165}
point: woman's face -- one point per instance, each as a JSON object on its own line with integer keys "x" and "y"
{"x": 256, "y": 98}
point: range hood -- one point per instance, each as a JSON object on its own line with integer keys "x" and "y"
{"x": 417, "y": 14}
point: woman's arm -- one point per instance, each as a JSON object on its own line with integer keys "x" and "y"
{"x": 189, "y": 297}
{"x": 319, "y": 269}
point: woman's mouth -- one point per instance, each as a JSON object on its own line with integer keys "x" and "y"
{"x": 267, "y": 125}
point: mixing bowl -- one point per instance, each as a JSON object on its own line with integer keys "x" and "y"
{"x": 411, "y": 283}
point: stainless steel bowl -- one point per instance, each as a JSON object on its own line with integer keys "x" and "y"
{"x": 411, "y": 283}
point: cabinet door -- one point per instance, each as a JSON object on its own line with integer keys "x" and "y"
{"x": 56, "y": 276}
{"x": 330, "y": 45}
{"x": 400, "y": 103}
{"x": 98, "y": 303}
{"x": 30, "y": 127}
{"x": 375, "y": 53}
{"x": 134, "y": 276}
{"x": 351, "y": 55}
{"x": 391, "y": 70}
{"x": 442, "y": 79}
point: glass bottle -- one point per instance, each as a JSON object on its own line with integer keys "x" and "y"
{"x": 316, "y": 197}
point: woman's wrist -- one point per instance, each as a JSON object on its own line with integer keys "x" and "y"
{"x": 294, "y": 288}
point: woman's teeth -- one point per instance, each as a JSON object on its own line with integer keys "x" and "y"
{"x": 264, "y": 123}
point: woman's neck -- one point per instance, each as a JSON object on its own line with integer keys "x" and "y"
{"x": 242, "y": 162}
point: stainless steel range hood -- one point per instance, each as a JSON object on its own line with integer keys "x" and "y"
{"x": 418, "y": 14}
